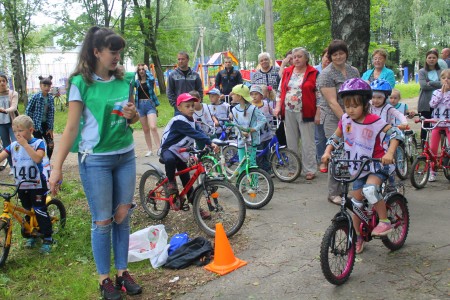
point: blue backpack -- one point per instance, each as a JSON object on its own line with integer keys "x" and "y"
{"x": 177, "y": 241}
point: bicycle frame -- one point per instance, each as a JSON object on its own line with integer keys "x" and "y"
{"x": 368, "y": 216}
{"x": 436, "y": 160}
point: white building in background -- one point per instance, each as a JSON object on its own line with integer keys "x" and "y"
{"x": 58, "y": 63}
{"x": 52, "y": 61}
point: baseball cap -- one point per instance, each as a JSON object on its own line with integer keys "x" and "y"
{"x": 214, "y": 91}
{"x": 242, "y": 90}
{"x": 256, "y": 88}
{"x": 185, "y": 97}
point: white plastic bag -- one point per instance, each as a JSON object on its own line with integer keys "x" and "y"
{"x": 150, "y": 243}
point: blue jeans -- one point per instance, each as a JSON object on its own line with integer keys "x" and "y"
{"x": 321, "y": 141}
{"x": 109, "y": 182}
{"x": 146, "y": 107}
{"x": 7, "y": 136}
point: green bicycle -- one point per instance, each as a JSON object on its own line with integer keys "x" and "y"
{"x": 254, "y": 184}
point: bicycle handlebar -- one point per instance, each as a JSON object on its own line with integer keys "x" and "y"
{"x": 231, "y": 124}
{"x": 9, "y": 195}
{"x": 435, "y": 121}
{"x": 338, "y": 164}
{"x": 193, "y": 151}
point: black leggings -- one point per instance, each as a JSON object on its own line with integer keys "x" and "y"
{"x": 48, "y": 139}
{"x": 423, "y": 132}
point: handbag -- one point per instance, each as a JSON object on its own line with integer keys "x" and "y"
{"x": 155, "y": 100}
{"x": 15, "y": 113}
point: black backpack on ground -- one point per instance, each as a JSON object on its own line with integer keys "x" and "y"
{"x": 197, "y": 251}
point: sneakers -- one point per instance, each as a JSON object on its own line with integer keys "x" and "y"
{"x": 205, "y": 214}
{"x": 127, "y": 284}
{"x": 359, "y": 244}
{"x": 108, "y": 291}
{"x": 11, "y": 173}
{"x": 30, "y": 243}
{"x": 432, "y": 177}
{"x": 382, "y": 229}
{"x": 149, "y": 153}
{"x": 335, "y": 199}
{"x": 46, "y": 246}
{"x": 172, "y": 187}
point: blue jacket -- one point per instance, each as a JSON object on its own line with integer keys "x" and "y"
{"x": 386, "y": 74}
{"x": 150, "y": 83}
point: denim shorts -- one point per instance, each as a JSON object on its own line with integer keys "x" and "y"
{"x": 146, "y": 107}
{"x": 382, "y": 173}
{"x": 108, "y": 182}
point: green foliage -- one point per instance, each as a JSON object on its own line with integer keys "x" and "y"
{"x": 418, "y": 25}
{"x": 304, "y": 23}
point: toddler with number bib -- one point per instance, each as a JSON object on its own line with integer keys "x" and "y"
{"x": 440, "y": 102}
{"x": 266, "y": 133}
{"x": 29, "y": 157}
{"x": 219, "y": 109}
{"x": 249, "y": 117}
{"x": 360, "y": 131}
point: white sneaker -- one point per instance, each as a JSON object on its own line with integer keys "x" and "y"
{"x": 11, "y": 172}
{"x": 432, "y": 177}
{"x": 149, "y": 153}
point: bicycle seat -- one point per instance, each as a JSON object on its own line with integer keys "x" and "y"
{"x": 220, "y": 143}
{"x": 409, "y": 132}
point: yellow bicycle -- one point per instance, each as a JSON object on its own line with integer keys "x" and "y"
{"x": 30, "y": 228}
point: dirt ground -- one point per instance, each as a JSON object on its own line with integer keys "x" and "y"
{"x": 281, "y": 244}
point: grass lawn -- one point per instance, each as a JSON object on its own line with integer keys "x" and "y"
{"x": 408, "y": 90}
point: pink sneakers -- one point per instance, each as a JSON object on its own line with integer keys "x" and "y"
{"x": 382, "y": 229}
{"x": 359, "y": 245}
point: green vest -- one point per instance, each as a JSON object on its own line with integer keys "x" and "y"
{"x": 103, "y": 129}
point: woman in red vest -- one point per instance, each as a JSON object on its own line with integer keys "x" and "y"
{"x": 296, "y": 101}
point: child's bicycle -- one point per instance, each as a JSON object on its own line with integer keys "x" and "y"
{"x": 213, "y": 195}
{"x": 29, "y": 224}
{"x": 405, "y": 154}
{"x": 254, "y": 184}
{"x": 427, "y": 160}
{"x": 338, "y": 248}
{"x": 286, "y": 165}
{"x": 59, "y": 99}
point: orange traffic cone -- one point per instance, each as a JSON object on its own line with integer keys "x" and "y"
{"x": 224, "y": 259}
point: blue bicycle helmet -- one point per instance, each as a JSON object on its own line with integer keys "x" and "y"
{"x": 356, "y": 86}
{"x": 381, "y": 85}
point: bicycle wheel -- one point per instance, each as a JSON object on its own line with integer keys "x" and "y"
{"x": 4, "y": 248}
{"x": 256, "y": 187}
{"x": 420, "y": 171}
{"x": 446, "y": 165}
{"x": 336, "y": 260}
{"x": 155, "y": 208}
{"x": 413, "y": 149}
{"x": 401, "y": 162}
{"x": 398, "y": 214}
{"x": 288, "y": 167}
{"x": 224, "y": 204}
{"x": 231, "y": 158}
{"x": 57, "y": 213}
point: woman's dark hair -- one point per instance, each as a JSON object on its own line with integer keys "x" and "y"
{"x": 336, "y": 46}
{"x": 140, "y": 66}
{"x": 97, "y": 38}
{"x": 3, "y": 75}
{"x": 45, "y": 80}
{"x": 436, "y": 66}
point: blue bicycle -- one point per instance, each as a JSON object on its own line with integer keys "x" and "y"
{"x": 286, "y": 165}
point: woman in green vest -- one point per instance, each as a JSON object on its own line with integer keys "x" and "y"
{"x": 101, "y": 107}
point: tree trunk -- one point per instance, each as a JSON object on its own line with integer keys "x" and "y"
{"x": 350, "y": 22}
{"x": 16, "y": 63}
